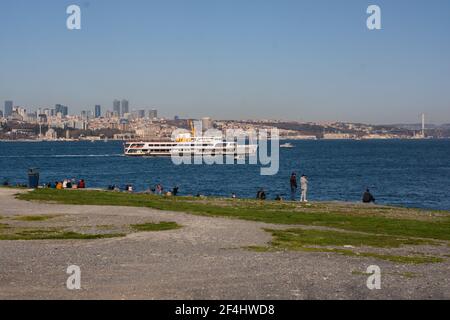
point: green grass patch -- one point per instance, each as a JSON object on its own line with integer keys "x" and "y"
{"x": 408, "y": 275}
{"x": 387, "y": 257}
{"x": 55, "y": 234}
{"x": 400, "y": 259}
{"x": 161, "y": 226}
{"x": 35, "y": 218}
{"x": 352, "y": 217}
{"x": 321, "y": 240}
{"x": 360, "y": 273}
{"x": 301, "y": 237}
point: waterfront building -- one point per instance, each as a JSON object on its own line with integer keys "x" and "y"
{"x": 51, "y": 134}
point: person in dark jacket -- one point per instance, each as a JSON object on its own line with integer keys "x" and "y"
{"x": 293, "y": 186}
{"x": 368, "y": 197}
{"x": 261, "y": 195}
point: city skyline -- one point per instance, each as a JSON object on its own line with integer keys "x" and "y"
{"x": 299, "y": 60}
{"x": 120, "y": 111}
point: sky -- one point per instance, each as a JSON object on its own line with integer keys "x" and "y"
{"x": 305, "y": 60}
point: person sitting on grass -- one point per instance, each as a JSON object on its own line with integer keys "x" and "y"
{"x": 159, "y": 189}
{"x": 261, "y": 195}
{"x": 368, "y": 197}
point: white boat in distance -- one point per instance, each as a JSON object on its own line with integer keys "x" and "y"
{"x": 185, "y": 145}
{"x": 287, "y": 145}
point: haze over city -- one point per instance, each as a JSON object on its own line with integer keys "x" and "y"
{"x": 299, "y": 60}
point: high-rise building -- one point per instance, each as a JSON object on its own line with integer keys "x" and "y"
{"x": 64, "y": 110}
{"x": 152, "y": 114}
{"x": 125, "y": 107}
{"x": 116, "y": 107}
{"x": 98, "y": 111}
{"x": 1, "y": 114}
{"x": 8, "y": 108}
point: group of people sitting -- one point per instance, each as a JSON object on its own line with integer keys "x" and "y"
{"x": 158, "y": 189}
{"x": 67, "y": 184}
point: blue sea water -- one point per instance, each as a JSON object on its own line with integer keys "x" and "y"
{"x": 412, "y": 173}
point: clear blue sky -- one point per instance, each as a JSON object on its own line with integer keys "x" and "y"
{"x": 235, "y": 59}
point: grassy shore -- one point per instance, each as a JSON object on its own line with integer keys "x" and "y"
{"x": 351, "y": 217}
{"x": 346, "y": 228}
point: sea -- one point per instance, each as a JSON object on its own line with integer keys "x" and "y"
{"x": 410, "y": 173}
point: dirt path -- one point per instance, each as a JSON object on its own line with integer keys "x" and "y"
{"x": 203, "y": 260}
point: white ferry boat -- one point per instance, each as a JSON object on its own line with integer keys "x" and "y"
{"x": 187, "y": 144}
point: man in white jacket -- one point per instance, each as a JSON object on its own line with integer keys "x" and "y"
{"x": 304, "y": 188}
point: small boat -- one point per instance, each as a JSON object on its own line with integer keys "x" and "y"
{"x": 287, "y": 145}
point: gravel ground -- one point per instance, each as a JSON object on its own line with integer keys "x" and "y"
{"x": 203, "y": 260}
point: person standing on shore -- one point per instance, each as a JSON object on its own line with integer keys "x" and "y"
{"x": 293, "y": 186}
{"x": 304, "y": 188}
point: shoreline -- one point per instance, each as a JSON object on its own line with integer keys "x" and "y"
{"x": 219, "y": 197}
